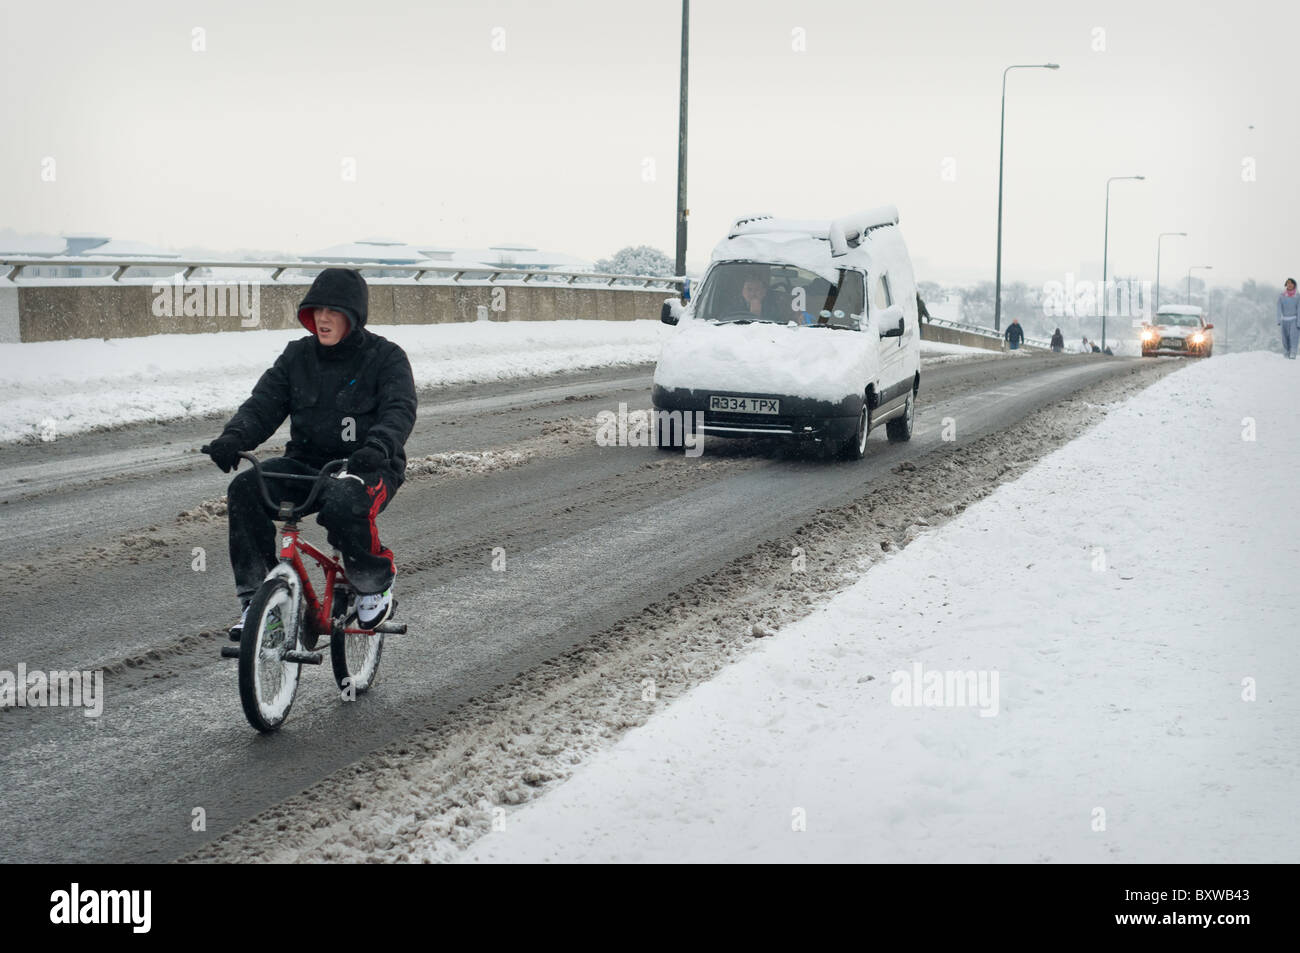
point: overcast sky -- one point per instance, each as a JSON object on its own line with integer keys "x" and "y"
{"x": 808, "y": 109}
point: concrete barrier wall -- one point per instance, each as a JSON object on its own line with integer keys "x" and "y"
{"x": 67, "y": 311}
{"x": 931, "y": 332}
{"x": 61, "y": 312}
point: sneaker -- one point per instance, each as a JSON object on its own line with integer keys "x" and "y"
{"x": 236, "y": 631}
{"x": 374, "y": 609}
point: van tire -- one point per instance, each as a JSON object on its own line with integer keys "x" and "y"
{"x": 899, "y": 430}
{"x": 855, "y": 448}
{"x": 664, "y": 433}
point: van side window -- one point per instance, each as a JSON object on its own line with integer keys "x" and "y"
{"x": 883, "y": 299}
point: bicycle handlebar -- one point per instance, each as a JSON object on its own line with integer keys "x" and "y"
{"x": 286, "y": 510}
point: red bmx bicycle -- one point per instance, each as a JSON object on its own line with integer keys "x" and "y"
{"x": 286, "y": 618}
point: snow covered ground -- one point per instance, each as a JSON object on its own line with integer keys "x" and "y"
{"x": 938, "y": 352}
{"x": 56, "y": 388}
{"x": 1135, "y": 684}
{"x": 74, "y": 386}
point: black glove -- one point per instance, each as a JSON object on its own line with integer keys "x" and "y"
{"x": 224, "y": 452}
{"x": 366, "y": 460}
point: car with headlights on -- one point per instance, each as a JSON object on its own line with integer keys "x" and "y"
{"x": 1177, "y": 330}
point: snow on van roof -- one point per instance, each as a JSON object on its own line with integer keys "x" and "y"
{"x": 792, "y": 247}
{"x": 807, "y": 243}
{"x": 1180, "y": 309}
{"x": 762, "y": 224}
{"x": 855, "y": 228}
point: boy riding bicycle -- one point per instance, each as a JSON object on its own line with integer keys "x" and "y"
{"x": 347, "y": 393}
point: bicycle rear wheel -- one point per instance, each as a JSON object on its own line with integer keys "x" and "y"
{"x": 267, "y": 683}
{"x": 355, "y": 659}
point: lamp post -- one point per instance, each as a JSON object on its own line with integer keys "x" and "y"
{"x": 1159, "y": 239}
{"x": 1105, "y": 250}
{"x": 1189, "y": 280}
{"x": 1002, "y": 142}
{"x": 682, "y": 211}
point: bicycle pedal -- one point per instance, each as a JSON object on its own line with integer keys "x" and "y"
{"x": 303, "y": 658}
{"x": 230, "y": 651}
{"x": 391, "y": 628}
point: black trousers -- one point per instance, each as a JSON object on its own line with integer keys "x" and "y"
{"x": 346, "y": 508}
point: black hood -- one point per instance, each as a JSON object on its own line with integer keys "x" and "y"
{"x": 341, "y": 289}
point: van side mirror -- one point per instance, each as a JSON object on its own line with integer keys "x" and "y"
{"x": 671, "y": 312}
{"x": 892, "y": 315}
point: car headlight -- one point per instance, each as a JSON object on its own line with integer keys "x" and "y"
{"x": 1198, "y": 338}
{"x": 1148, "y": 335}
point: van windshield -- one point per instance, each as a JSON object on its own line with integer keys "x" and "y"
{"x": 743, "y": 292}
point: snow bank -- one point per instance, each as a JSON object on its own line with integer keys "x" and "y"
{"x": 941, "y": 349}
{"x": 65, "y": 387}
{"x": 1129, "y": 642}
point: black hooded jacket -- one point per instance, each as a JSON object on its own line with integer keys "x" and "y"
{"x": 360, "y": 392}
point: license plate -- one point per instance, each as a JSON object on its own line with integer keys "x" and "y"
{"x": 744, "y": 405}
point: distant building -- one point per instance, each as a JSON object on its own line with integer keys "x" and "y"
{"x": 508, "y": 256}
{"x": 88, "y": 246}
{"x": 381, "y": 251}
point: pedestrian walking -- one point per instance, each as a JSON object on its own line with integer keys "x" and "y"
{"x": 1288, "y": 317}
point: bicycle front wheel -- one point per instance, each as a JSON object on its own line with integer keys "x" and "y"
{"x": 355, "y": 659}
{"x": 267, "y": 683}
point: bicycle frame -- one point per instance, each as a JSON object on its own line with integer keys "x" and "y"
{"x": 319, "y": 609}
{"x": 319, "y": 617}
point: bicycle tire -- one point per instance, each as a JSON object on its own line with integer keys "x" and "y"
{"x": 362, "y": 667}
{"x": 267, "y": 715}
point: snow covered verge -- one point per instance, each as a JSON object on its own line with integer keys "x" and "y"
{"x": 57, "y": 388}
{"x": 1133, "y": 673}
{"x": 940, "y": 352}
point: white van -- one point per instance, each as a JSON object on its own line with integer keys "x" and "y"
{"x": 805, "y": 330}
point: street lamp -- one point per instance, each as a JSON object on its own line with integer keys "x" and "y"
{"x": 1105, "y": 249}
{"x": 1002, "y": 142}
{"x": 1189, "y": 280}
{"x": 1159, "y": 239}
{"x": 682, "y": 210}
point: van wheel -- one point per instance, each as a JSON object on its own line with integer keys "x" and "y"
{"x": 663, "y": 439}
{"x": 670, "y": 438}
{"x": 855, "y": 448}
{"x": 899, "y": 429}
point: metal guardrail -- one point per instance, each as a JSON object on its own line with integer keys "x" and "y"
{"x": 458, "y": 273}
{"x": 958, "y": 326}
{"x": 985, "y": 332}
